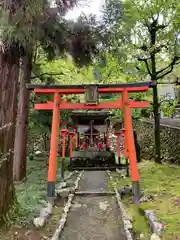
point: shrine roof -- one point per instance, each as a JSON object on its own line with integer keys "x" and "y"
{"x": 119, "y": 85}
{"x": 84, "y": 117}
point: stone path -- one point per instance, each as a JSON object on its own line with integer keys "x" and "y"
{"x": 93, "y": 181}
{"x": 93, "y": 217}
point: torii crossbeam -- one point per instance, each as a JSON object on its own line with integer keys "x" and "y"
{"x": 123, "y": 103}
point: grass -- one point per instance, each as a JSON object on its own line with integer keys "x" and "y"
{"x": 162, "y": 182}
{"x": 30, "y": 192}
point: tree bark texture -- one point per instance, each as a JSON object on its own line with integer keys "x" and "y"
{"x": 9, "y": 71}
{"x": 157, "y": 125}
{"x": 20, "y": 148}
{"x": 153, "y": 33}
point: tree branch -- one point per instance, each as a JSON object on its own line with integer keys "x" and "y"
{"x": 48, "y": 74}
{"x": 170, "y": 67}
{"x": 162, "y": 70}
{"x": 166, "y": 73}
{"x": 145, "y": 60}
{"x": 161, "y": 26}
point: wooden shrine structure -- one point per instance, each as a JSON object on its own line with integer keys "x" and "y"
{"x": 93, "y": 152}
{"x": 92, "y": 102}
{"x": 98, "y": 120}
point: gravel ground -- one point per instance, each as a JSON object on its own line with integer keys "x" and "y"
{"x": 93, "y": 217}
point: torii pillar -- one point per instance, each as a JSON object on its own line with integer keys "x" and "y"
{"x": 129, "y": 137}
{"x": 71, "y": 134}
{"x": 53, "y": 147}
{"x": 125, "y": 150}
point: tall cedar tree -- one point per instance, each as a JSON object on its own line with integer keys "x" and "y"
{"x": 25, "y": 23}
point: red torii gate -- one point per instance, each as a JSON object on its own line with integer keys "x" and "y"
{"x": 124, "y": 103}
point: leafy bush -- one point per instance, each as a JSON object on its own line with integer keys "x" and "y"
{"x": 168, "y": 105}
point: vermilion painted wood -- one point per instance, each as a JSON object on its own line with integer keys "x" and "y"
{"x": 54, "y": 139}
{"x": 130, "y": 139}
{"x": 104, "y": 105}
{"x": 82, "y": 91}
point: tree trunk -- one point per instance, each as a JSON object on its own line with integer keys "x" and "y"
{"x": 20, "y": 148}
{"x": 157, "y": 125}
{"x": 8, "y": 110}
{"x": 153, "y": 33}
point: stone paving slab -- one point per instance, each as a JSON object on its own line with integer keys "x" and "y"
{"x": 88, "y": 193}
{"x": 94, "y": 218}
{"x": 93, "y": 181}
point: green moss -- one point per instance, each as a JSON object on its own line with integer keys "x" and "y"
{"x": 139, "y": 223}
{"x": 162, "y": 183}
{"x": 33, "y": 189}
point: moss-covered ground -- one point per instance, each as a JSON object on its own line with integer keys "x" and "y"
{"x": 30, "y": 194}
{"x": 162, "y": 184}
{"x": 34, "y": 189}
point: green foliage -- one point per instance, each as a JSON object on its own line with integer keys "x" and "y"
{"x": 110, "y": 70}
{"x": 62, "y": 71}
{"x": 168, "y": 106}
{"x": 113, "y": 71}
{"x": 145, "y": 35}
{"x": 130, "y": 31}
{"x": 83, "y": 42}
{"x": 28, "y": 23}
